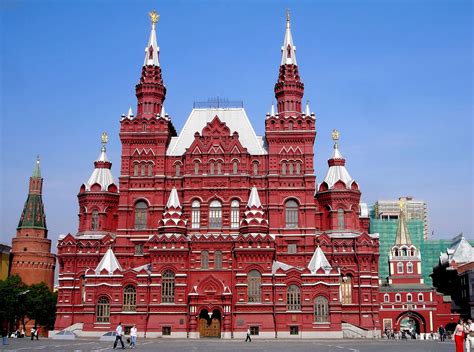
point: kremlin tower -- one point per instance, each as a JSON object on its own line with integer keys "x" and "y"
{"x": 32, "y": 259}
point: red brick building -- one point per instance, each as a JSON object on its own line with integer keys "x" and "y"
{"x": 31, "y": 253}
{"x": 216, "y": 230}
{"x": 406, "y": 302}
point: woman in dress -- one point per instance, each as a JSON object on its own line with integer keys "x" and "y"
{"x": 459, "y": 336}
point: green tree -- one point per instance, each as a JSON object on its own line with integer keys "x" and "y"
{"x": 40, "y": 304}
{"x": 12, "y": 309}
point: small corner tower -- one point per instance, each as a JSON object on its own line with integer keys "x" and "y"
{"x": 404, "y": 257}
{"x": 32, "y": 259}
{"x": 99, "y": 196}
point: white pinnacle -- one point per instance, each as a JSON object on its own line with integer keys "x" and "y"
{"x": 152, "y": 50}
{"x": 130, "y": 113}
{"x": 173, "y": 200}
{"x": 254, "y": 199}
{"x": 272, "y": 112}
{"x": 288, "y": 56}
{"x": 307, "y": 112}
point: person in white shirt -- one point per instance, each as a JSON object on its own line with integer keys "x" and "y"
{"x": 133, "y": 336}
{"x": 118, "y": 336}
{"x": 469, "y": 335}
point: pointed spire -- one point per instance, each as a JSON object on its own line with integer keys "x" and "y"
{"x": 37, "y": 170}
{"x": 254, "y": 199}
{"x": 272, "y": 111}
{"x": 163, "y": 112}
{"x": 152, "y": 51}
{"x": 130, "y": 113}
{"x": 307, "y": 111}
{"x": 173, "y": 200}
{"x": 288, "y": 56}
{"x": 403, "y": 235}
{"x": 109, "y": 262}
{"x": 319, "y": 261}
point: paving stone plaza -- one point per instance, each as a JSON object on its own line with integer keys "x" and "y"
{"x": 215, "y": 345}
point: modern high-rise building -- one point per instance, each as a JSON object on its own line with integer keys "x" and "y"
{"x": 217, "y": 230}
{"x": 415, "y": 210}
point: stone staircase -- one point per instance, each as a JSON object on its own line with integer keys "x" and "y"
{"x": 350, "y": 331}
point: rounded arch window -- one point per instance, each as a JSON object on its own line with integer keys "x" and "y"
{"x": 195, "y": 214}
{"x": 291, "y": 214}
{"x": 95, "y": 220}
{"x": 141, "y": 213}
{"x": 254, "y": 282}
{"x": 129, "y": 298}
{"x": 215, "y": 215}
{"x": 293, "y": 298}
{"x": 102, "y": 310}
{"x": 400, "y": 268}
{"x": 386, "y": 297}
{"x": 321, "y": 309}
{"x": 340, "y": 219}
{"x": 167, "y": 287}
{"x": 217, "y": 260}
{"x": 204, "y": 260}
{"x": 235, "y": 167}
{"x": 234, "y": 214}
{"x": 398, "y": 297}
{"x": 409, "y": 267}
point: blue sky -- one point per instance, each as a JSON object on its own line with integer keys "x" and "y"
{"x": 395, "y": 77}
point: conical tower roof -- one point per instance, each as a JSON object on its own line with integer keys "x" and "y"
{"x": 337, "y": 166}
{"x": 403, "y": 235}
{"x": 288, "y": 55}
{"x": 33, "y": 215}
{"x": 152, "y": 50}
{"x": 102, "y": 175}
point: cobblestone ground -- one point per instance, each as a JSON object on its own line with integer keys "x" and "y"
{"x": 214, "y": 345}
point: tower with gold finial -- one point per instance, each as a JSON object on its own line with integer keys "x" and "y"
{"x": 32, "y": 259}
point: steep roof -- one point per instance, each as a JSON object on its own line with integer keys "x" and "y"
{"x": 461, "y": 251}
{"x": 403, "y": 235}
{"x": 337, "y": 168}
{"x": 102, "y": 174}
{"x": 109, "y": 262}
{"x": 318, "y": 261}
{"x": 236, "y": 120}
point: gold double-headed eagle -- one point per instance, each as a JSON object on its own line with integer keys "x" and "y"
{"x": 104, "y": 138}
{"x": 335, "y": 135}
{"x": 154, "y": 17}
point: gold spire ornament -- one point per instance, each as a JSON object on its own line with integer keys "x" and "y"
{"x": 154, "y": 17}
{"x": 104, "y": 138}
{"x": 335, "y": 135}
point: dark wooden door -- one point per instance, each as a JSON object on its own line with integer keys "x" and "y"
{"x": 210, "y": 330}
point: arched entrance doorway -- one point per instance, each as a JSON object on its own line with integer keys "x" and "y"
{"x": 411, "y": 323}
{"x": 210, "y": 323}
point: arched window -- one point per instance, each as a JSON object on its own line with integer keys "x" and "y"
{"x": 219, "y": 168}
{"x": 204, "y": 260}
{"x": 255, "y": 168}
{"x": 135, "y": 170}
{"x": 340, "y": 219}
{"x": 178, "y": 169}
{"x": 290, "y": 167}
{"x": 95, "y": 220}
{"x": 346, "y": 289}
{"x": 386, "y": 297}
{"x": 150, "y": 170}
{"x": 129, "y": 298}
{"x": 291, "y": 214}
{"x": 167, "y": 287}
{"x": 404, "y": 252}
{"x": 211, "y": 168}
{"x": 293, "y": 298}
{"x": 215, "y": 215}
{"x": 298, "y": 168}
{"x": 409, "y": 297}
{"x": 321, "y": 310}
{"x": 420, "y": 297}
{"x": 410, "y": 268}
{"x": 290, "y": 125}
{"x": 283, "y": 168}
{"x": 143, "y": 168}
{"x": 235, "y": 167}
{"x": 400, "y": 268}
{"x": 217, "y": 260}
{"x": 234, "y": 214}
{"x": 102, "y": 312}
{"x": 396, "y": 252}
{"x": 398, "y": 298}
{"x": 195, "y": 214}
{"x": 254, "y": 281}
{"x": 141, "y": 211}
{"x": 196, "y": 167}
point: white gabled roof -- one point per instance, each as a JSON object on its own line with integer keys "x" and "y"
{"x": 236, "y": 120}
{"x": 109, "y": 262}
{"x": 173, "y": 200}
{"x": 280, "y": 265}
{"x": 318, "y": 261}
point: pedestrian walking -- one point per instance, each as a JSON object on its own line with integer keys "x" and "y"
{"x": 4, "y": 336}
{"x": 469, "y": 335}
{"x": 118, "y": 336}
{"x": 133, "y": 336}
{"x": 37, "y": 331}
{"x": 248, "y": 336}
{"x": 442, "y": 333}
{"x": 32, "y": 332}
{"x": 459, "y": 336}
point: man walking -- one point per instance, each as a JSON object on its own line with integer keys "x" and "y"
{"x": 248, "y": 336}
{"x": 118, "y": 336}
{"x": 442, "y": 333}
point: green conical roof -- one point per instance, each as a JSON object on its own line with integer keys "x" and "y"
{"x": 33, "y": 213}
